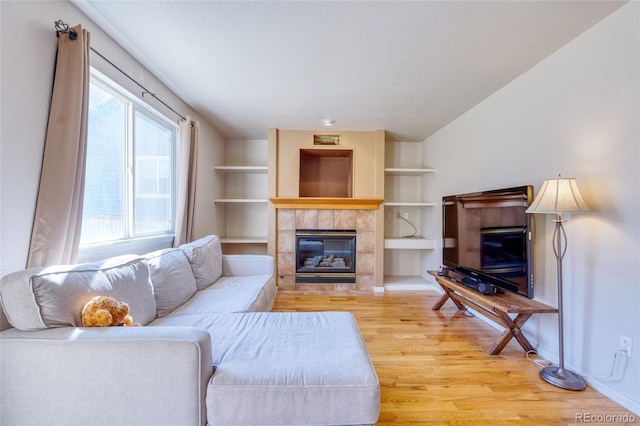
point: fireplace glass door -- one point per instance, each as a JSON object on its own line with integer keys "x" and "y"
{"x": 325, "y": 256}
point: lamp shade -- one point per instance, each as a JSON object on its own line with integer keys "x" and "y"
{"x": 559, "y": 195}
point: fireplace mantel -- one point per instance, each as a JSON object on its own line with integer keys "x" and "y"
{"x": 326, "y": 203}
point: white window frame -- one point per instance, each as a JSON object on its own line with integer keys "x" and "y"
{"x": 141, "y": 242}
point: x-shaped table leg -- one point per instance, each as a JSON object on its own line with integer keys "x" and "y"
{"x": 512, "y": 329}
{"x": 446, "y": 296}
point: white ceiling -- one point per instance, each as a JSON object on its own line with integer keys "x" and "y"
{"x": 407, "y": 67}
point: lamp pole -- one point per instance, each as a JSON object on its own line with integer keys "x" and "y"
{"x": 559, "y": 376}
{"x": 559, "y": 252}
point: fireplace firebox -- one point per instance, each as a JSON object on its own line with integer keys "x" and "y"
{"x": 325, "y": 256}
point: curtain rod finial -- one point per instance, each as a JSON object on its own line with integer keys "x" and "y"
{"x": 61, "y": 27}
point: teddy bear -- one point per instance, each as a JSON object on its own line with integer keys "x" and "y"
{"x": 104, "y": 311}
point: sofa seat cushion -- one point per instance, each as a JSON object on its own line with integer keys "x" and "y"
{"x": 172, "y": 279}
{"x": 287, "y": 368}
{"x": 232, "y": 294}
{"x": 54, "y": 296}
{"x": 205, "y": 258}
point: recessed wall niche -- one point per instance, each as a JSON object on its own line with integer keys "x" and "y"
{"x": 326, "y": 173}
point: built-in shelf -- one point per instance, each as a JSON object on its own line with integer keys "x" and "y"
{"x": 243, "y": 240}
{"x": 239, "y": 200}
{"x": 401, "y": 171}
{"x": 242, "y": 169}
{"x": 406, "y": 198}
{"x": 407, "y": 282}
{"x": 409, "y": 243}
{"x": 409, "y": 204}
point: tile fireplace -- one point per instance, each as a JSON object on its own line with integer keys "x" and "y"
{"x": 342, "y": 224}
{"x": 326, "y": 187}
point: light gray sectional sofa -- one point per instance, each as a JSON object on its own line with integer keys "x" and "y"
{"x": 209, "y": 350}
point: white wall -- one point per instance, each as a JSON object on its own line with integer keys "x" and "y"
{"x": 576, "y": 113}
{"x": 28, "y": 54}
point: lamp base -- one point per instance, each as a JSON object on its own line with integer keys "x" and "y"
{"x": 562, "y": 378}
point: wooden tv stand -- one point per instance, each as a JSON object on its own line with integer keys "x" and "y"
{"x": 496, "y": 307}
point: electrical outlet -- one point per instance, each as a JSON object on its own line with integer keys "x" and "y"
{"x": 398, "y": 215}
{"x": 626, "y": 344}
{"x": 405, "y": 215}
{"x": 389, "y": 215}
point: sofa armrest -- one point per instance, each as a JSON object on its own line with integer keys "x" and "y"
{"x": 112, "y": 375}
{"x": 239, "y": 265}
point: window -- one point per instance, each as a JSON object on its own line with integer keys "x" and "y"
{"x": 130, "y": 171}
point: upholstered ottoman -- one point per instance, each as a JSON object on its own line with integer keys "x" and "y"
{"x": 293, "y": 369}
{"x": 286, "y": 368}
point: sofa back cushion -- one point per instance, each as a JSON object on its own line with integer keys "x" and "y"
{"x": 54, "y": 296}
{"x": 171, "y": 278}
{"x": 205, "y": 258}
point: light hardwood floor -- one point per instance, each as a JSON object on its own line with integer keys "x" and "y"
{"x": 434, "y": 369}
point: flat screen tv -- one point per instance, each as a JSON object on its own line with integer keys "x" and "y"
{"x": 488, "y": 241}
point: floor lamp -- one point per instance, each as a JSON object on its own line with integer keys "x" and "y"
{"x": 557, "y": 196}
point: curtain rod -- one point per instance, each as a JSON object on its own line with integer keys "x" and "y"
{"x": 61, "y": 27}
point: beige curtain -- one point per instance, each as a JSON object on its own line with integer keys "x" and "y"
{"x": 186, "y": 184}
{"x": 55, "y": 236}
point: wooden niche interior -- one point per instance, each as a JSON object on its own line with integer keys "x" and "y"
{"x": 326, "y": 173}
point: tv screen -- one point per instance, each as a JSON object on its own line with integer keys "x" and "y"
{"x": 487, "y": 238}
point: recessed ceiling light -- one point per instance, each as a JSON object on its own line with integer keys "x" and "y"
{"x": 328, "y": 122}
